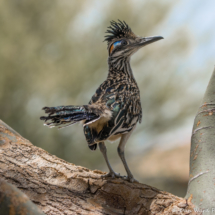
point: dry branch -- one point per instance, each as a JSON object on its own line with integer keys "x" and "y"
{"x": 61, "y": 188}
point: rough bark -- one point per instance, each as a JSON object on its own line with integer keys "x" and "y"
{"x": 202, "y": 153}
{"x": 61, "y": 188}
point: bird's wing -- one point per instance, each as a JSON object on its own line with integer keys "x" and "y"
{"x": 124, "y": 104}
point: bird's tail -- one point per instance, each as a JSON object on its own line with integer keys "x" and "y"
{"x": 63, "y": 116}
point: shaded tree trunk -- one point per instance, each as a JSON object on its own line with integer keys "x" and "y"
{"x": 14, "y": 202}
{"x": 60, "y": 188}
{"x": 202, "y": 154}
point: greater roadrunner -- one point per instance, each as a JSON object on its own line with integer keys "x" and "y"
{"x": 115, "y": 108}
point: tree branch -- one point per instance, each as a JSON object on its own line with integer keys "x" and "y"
{"x": 202, "y": 159}
{"x": 61, "y": 188}
{"x": 14, "y": 202}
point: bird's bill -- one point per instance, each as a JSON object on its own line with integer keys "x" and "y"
{"x": 147, "y": 40}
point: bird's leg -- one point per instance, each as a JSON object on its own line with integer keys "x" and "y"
{"x": 111, "y": 173}
{"x": 120, "y": 150}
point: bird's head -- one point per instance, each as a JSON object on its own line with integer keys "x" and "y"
{"x": 122, "y": 42}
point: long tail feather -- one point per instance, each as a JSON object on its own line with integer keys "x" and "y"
{"x": 64, "y": 116}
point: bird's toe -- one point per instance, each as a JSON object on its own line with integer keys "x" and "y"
{"x": 111, "y": 175}
{"x": 131, "y": 179}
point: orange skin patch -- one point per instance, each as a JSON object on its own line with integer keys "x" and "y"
{"x": 111, "y": 48}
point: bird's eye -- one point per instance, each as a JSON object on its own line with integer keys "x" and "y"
{"x": 123, "y": 42}
{"x": 117, "y": 44}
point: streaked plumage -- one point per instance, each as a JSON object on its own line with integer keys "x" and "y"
{"x": 115, "y": 108}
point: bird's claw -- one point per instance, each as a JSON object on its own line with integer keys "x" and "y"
{"x": 111, "y": 175}
{"x": 131, "y": 179}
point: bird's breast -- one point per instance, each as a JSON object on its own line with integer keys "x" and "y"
{"x": 114, "y": 137}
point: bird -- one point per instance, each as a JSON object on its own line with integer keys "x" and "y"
{"x": 115, "y": 109}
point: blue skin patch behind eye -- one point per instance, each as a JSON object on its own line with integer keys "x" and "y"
{"x": 114, "y": 45}
{"x": 117, "y": 43}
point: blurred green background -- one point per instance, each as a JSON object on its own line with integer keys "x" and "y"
{"x": 52, "y": 53}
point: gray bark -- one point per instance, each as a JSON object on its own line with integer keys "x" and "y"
{"x": 202, "y": 154}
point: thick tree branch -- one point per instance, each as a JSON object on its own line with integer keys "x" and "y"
{"x": 202, "y": 159}
{"x": 59, "y": 187}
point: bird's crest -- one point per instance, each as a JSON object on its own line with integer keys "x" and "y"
{"x": 118, "y": 30}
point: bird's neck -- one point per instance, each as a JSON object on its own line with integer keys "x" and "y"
{"x": 120, "y": 67}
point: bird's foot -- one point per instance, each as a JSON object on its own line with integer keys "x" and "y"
{"x": 111, "y": 175}
{"x": 131, "y": 179}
